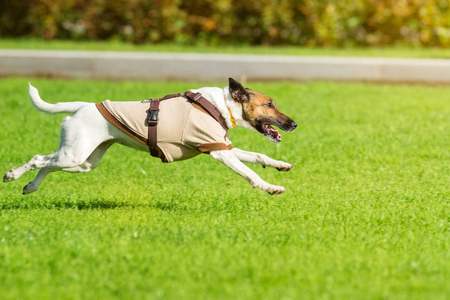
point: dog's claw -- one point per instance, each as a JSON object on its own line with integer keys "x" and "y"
{"x": 276, "y": 190}
{"x": 29, "y": 188}
{"x": 285, "y": 168}
{"x": 9, "y": 176}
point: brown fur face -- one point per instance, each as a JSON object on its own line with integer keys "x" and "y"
{"x": 261, "y": 112}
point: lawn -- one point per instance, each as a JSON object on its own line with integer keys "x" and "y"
{"x": 365, "y": 214}
{"x": 391, "y": 51}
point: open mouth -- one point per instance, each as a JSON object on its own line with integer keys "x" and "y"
{"x": 265, "y": 128}
{"x": 271, "y": 133}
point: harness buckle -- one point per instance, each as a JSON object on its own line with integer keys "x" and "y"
{"x": 196, "y": 96}
{"x": 152, "y": 119}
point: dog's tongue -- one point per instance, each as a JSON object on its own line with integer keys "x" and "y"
{"x": 273, "y": 132}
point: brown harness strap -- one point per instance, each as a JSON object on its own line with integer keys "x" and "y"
{"x": 208, "y": 147}
{"x": 152, "y": 121}
{"x": 199, "y": 102}
{"x": 206, "y": 105}
{"x": 108, "y": 116}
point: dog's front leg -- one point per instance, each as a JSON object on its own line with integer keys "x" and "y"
{"x": 228, "y": 158}
{"x": 262, "y": 159}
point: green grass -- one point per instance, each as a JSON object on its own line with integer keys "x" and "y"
{"x": 365, "y": 214}
{"x": 392, "y": 51}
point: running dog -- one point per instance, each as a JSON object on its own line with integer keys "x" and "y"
{"x": 179, "y": 126}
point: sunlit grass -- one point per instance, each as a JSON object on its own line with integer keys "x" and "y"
{"x": 365, "y": 214}
{"x": 391, "y": 51}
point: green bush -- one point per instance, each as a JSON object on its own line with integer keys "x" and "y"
{"x": 267, "y": 22}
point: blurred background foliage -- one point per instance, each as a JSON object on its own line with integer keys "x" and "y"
{"x": 338, "y": 23}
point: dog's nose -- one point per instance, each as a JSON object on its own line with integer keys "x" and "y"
{"x": 294, "y": 125}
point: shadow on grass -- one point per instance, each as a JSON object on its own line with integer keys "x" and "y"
{"x": 81, "y": 205}
{"x": 97, "y": 204}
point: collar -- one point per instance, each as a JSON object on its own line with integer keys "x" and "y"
{"x": 232, "y": 119}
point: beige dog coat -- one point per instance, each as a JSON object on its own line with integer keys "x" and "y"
{"x": 183, "y": 130}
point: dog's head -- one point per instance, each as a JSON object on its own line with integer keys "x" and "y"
{"x": 260, "y": 112}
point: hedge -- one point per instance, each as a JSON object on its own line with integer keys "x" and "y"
{"x": 267, "y": 22}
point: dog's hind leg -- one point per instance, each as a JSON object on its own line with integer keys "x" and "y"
{"x": 65, "y": 159}
{"x": 78, "y": 141}
{"x": 89, "y": 164}
{"x": 34, "y": 185}
{"x": 92, "y": 161}
{"x": 81, "y": 135}
{"x": 38, "y": 161}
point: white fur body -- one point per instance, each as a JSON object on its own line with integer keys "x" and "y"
{"x": 87, "y": 135}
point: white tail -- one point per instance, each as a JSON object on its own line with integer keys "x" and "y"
{"x": 61, "y": 107}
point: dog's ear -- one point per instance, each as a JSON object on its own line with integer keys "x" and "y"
{"x": 237, "y": 91}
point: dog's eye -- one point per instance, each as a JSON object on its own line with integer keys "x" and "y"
{"x": 269, "y": 104}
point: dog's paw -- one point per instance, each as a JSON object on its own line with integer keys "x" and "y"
{"x": 9, "y": 176}
{"x": 284, "y": 167}
{"x": 269, "y": 188}
{"x": 29, "y": 188}
{"x": 276, "y": 190}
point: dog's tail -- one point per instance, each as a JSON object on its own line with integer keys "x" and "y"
{"x": 61, "y": 107}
